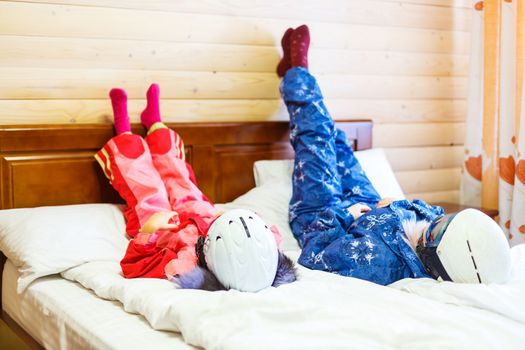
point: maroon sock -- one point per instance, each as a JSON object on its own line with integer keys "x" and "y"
{"x": 285, "y": 63}
{"x": 299, "y": 43}
{"x": 119, "y": 101}
{"x": 151, "y": 113}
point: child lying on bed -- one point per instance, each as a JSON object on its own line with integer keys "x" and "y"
{"x": 172, "y": 225}
{"x": 342, "y": 224}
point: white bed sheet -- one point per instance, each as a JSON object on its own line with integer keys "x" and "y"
{"x": 61, "y": 314}
{"x": 324, "y": 311}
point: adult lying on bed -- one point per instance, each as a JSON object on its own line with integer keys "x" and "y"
{"x": 173, "y": 227}
{"x": 342, "y": 224}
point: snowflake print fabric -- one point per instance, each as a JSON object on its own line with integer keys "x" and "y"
{"x": 327, "y": 180}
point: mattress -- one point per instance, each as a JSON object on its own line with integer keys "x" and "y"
{"x": 61, "y": 314}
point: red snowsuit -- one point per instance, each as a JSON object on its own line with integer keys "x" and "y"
{"x": 151, "y": 175}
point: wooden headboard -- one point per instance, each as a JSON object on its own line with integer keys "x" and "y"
{"x": 54, "y": 164}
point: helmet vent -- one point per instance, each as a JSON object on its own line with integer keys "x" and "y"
{"x": 245, "y": 227}
{"x": 473, "y": 261}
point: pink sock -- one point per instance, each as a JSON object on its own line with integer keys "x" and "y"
{"x": 119, "y": 101}
{"x": 151, "y": 113}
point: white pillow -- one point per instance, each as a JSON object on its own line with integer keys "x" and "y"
{"x": 373, "y": 162}
{"x": 378, "y": 170}
{"x": 270, "y": 201}
{"x": 273, "y": 179}
{"x": 47, "y": 240}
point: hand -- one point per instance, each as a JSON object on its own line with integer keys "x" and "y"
{"x": 385, "y": 202}
{"x": 164, "y": 220}
{"x": 358, "y": 209}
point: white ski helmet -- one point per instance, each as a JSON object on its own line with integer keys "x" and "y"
{"x": 240, "y": 250}
{"x": 467, "y": 247}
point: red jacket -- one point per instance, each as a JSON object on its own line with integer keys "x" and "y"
{"x": 152, "y": 176}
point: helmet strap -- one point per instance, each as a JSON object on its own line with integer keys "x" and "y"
{"x": 432, "y": 263}
{"x": 199, "y": 251}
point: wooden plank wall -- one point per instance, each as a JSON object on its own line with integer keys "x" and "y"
{"x": 402, "y": 63}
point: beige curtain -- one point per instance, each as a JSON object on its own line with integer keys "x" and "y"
{"x": 494, "y": 167}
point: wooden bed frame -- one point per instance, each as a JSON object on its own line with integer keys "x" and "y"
{"x": 54, "y": 165}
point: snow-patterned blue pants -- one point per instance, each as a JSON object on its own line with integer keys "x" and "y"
{"x": 327, "y": 180}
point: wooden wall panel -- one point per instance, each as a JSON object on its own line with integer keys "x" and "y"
{"x": 446, "y": 3}
{"x": 435, "y": 197}
{"x": 99, "y": 111}
{"x": 402, "y": 63}
{"x": 415, "y": 14}
{"x": 434, "y": 180}
{"x": 48, "y": 52}
{"x": 29, "y": 19}
{"x": 425, "y": 158}
{"x": 43, "y": 83}
{"x": 419, "y": 135}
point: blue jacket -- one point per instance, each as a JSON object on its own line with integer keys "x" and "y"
{"x": 327, "y": 180}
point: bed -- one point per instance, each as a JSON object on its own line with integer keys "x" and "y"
{"x": 91, "y": 306}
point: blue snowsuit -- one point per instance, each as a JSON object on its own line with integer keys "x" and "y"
{"x": 327, "y": 180}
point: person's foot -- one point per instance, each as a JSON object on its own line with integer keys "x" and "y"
{"x": 285, "y": 62}
{"x": 151, "y": 113}
{"x": 299, "y": 44}
{"x": 119, "y": 101}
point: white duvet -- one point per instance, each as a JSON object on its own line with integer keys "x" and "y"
{"x": 326, "y": 311}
